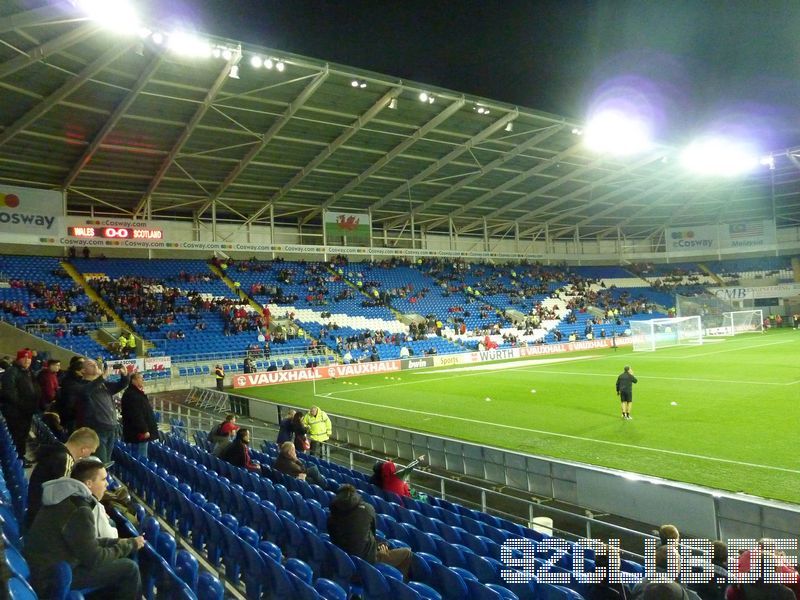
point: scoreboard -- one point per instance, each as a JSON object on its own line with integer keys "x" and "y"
{"x": 118, "y": 233}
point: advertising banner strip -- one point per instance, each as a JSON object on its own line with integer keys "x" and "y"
{"x": 781, "y": 290}
{"x": 389, "y": 366}
{"x": 313, "y": 374}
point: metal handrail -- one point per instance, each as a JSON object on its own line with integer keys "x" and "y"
{"x": 199, "y": 420}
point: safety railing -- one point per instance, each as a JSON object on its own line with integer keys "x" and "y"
{"x": 202, "y": 409}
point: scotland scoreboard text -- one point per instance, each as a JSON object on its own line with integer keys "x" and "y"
{"x": 560, "y": 562}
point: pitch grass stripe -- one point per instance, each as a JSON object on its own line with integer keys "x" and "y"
{"x": 571, "y": 437}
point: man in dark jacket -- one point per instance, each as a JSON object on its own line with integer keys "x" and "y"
{"x": 48, "y": 384}
{"x": 238, "y": 452}
{"x": 139, "y": 425}
{"x": 287, "y": 463}
{"x": 20, "y": 400}
{"x": 97, "y": 406}
{"x": 69, "y": 395}
{"x": 351, "y": 526}
{"x": 64, "y": 530}
{"x": 56, "y": 460}
{"x": 625, "y": 383}
{"x": 285, "y": 430}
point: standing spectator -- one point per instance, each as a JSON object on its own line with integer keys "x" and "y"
{"x": 287, "y": 463}
{"x": 285, "y": 431}
{"x": 351, "y": 525}
{"x": 139, "y": 425}
{"x": 319, "y": 429}
{"x": 67, "y": 402}
{"x": 97, "y": 408}
{"x": 221, "y": 434}
{"x": 300, "y": 431}
{"x": 56, "y": 460}
{"x": 20, "y": 400}
{"x": 48, "y": 384}
{"x": 625, "y": 383}
{"x": 238, "y": 452}
{"x": 219, "y": 374}
{"x": 64, "y": 530}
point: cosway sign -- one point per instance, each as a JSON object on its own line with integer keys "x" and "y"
{"x": 29, "y": 211}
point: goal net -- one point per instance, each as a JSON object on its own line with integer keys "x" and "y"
{"x": 744, "y": 321}
{"x": 663, "y": 333}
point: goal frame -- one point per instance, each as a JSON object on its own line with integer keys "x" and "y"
{"x": 651, "y": 337}
{"x": 731, "y": 326}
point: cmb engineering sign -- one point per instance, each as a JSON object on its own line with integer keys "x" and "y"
{"x": 783, "y": 290}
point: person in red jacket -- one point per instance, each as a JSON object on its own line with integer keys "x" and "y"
{"x": 396, "y": 481}
{"x": 48, "y": 383}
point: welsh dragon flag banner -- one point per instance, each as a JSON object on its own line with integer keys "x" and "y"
{"x": 344, "y": 224}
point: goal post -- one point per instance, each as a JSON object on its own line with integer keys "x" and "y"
{"x": 744, "y": 321}
{"x": 653, "y": 334}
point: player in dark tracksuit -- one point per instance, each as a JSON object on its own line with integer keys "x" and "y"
{"x": 625, "y": 383}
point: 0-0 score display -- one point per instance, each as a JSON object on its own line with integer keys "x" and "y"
{"x": 119, "y": 233}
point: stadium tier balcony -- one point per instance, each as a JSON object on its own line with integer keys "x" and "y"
{"x": 40, "y": 298}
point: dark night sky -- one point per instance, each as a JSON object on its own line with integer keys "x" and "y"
{"x": 732, "y": 65}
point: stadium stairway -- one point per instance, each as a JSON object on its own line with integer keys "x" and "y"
{"x": 717, "y": 279}
{"x": 236, "y": 289}
{"x": 78, "y": 278}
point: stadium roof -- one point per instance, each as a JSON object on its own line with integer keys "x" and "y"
{"x": 129, "y": 128}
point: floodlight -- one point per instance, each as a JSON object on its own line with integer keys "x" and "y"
{"x": 354, "y": 83}
{"x": 227, "y": 53}
{"x": 158, "y": 38}
{"x": 617, "y": 133}
{"x": 279, "y": 66}
{"x": 117, "y": 15}
{"x": 363, "y": 84}
{"x": 768, "y": 161}
{"x": 256, "y": 61}
{"x": 423, "y": 97}
{"x": 719, "y": 156}
{"x": 188, "y": 45}
{"x": 576, "y": 131}
{"x": 216, "y": 53}
{"x": 144, "y": 33}
{"x": 268, "y": 64}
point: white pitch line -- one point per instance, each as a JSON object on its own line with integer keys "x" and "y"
{"x": 658, "y": 377}
{"x": 572, "y": 437}
{"x": 696, "y": 354}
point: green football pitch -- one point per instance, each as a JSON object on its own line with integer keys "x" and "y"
{"x": 734, "y": 426}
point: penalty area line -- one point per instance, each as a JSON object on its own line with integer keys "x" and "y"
{"x": 571, "y": 437}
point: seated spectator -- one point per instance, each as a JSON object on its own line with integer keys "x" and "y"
{"x": 103, "y": 524}
{"x": 715, "y": 589}
{"x": 221, "y": 434}
{"x": 667, "y": 558}
{"x": 392, "y": 480}
{"x": 667, "y": 533}
{"x": 288, "y": 464}
{"x": 64, "y": 530}
{"x": 56, "y": 460}
{"x": 351, "y": 526}
{"x": 285, "y": 430}
{"x": 760, "y": 590}
{"x": 237, "y": 452}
